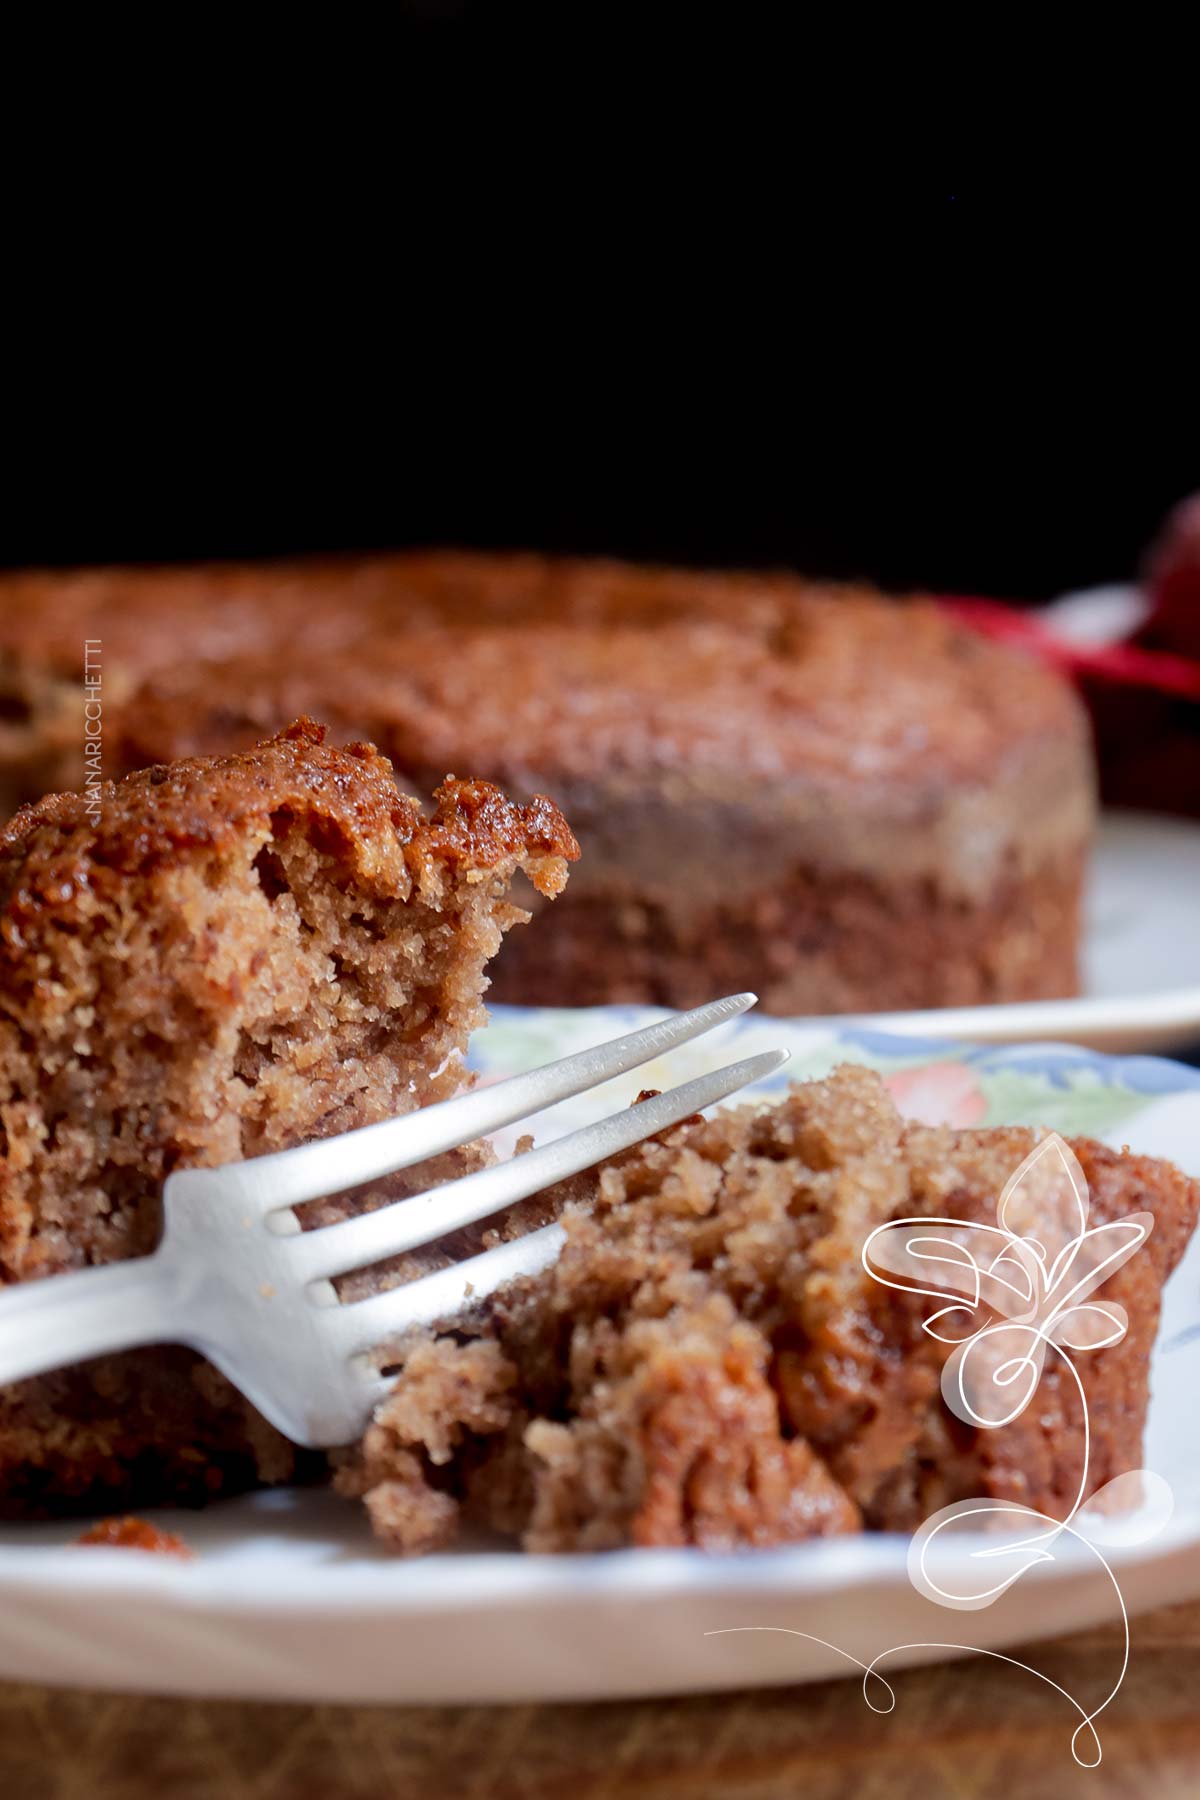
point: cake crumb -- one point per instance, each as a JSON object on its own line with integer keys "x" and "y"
{"x": 130, "y": 1533}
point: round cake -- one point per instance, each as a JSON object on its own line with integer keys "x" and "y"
{"x": 845, "y": 802}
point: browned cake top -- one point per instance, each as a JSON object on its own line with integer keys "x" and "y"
{"x": 853, "y": 690}
{"x": 54, "y": 851}
{"x": 152, "y": 616}
{"x": 519, "y": 664}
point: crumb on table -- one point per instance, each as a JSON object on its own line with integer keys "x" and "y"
{"x": 134, "y": 1534}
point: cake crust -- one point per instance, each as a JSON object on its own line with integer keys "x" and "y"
{"x": 929, "y": 700}
{"x": 202, "y": 803}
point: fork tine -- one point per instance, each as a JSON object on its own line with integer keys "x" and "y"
{"x": 463, "y": 1285}
{"x": 290, "y": 1177}
{"x": 354, "y": 1243}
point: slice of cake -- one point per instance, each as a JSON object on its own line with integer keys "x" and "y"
{"x": 208, "y": 961}
{"x": 709, "y": 1363}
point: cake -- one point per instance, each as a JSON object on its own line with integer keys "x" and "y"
{"x": 203, "y": 962}
{"x": 709, "y": 1363}
{"x": 224, "y": 956}
{"x": 844, "y": 802}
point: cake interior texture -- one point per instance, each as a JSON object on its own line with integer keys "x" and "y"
{"x": 708, "y": 1363}
{"x": 843, "y": 801}
{"x": 206, "y": 962}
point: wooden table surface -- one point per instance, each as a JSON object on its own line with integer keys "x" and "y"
{"x": 967, "y": 1729}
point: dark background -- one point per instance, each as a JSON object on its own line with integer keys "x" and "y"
{"x": 943, "y": 488}
{"x": 527, "y": 311}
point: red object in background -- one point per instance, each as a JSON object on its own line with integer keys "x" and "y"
{"x": 1149, "y": 743}
{"x": 1144, "y": 692}
{"x": 1148, "y": 748}
{"x": 1128, "y": 663}
{"x": 1172, "y": 580}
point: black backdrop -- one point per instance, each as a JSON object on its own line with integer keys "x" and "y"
{"x": 964, "y": 506}
{"x": 978, "y": 388}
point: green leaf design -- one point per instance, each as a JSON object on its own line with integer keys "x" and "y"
{"x": 1079, "y": 1104}
{"x": 1075, "y": 1101}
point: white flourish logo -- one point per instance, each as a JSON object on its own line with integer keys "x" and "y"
{"x": 1016, "y": 1292}
{"x": 1037, "y": 1267}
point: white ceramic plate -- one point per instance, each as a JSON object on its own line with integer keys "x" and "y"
{"x": 1141, "y": 963}
{"x": 290, "y": 1599}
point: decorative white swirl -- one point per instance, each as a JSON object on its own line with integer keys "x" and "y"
{"x": 1023, "y": 1286}
{"x": 1014, "y": 1291}
{"x": 1025, "y": 1283}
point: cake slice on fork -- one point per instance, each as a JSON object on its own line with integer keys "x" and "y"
{"x": 229, "y": 956}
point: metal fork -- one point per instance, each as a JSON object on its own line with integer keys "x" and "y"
{"x": 236, "y": 1277}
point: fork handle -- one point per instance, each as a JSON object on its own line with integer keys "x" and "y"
{"x": 63, "y": 1319}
